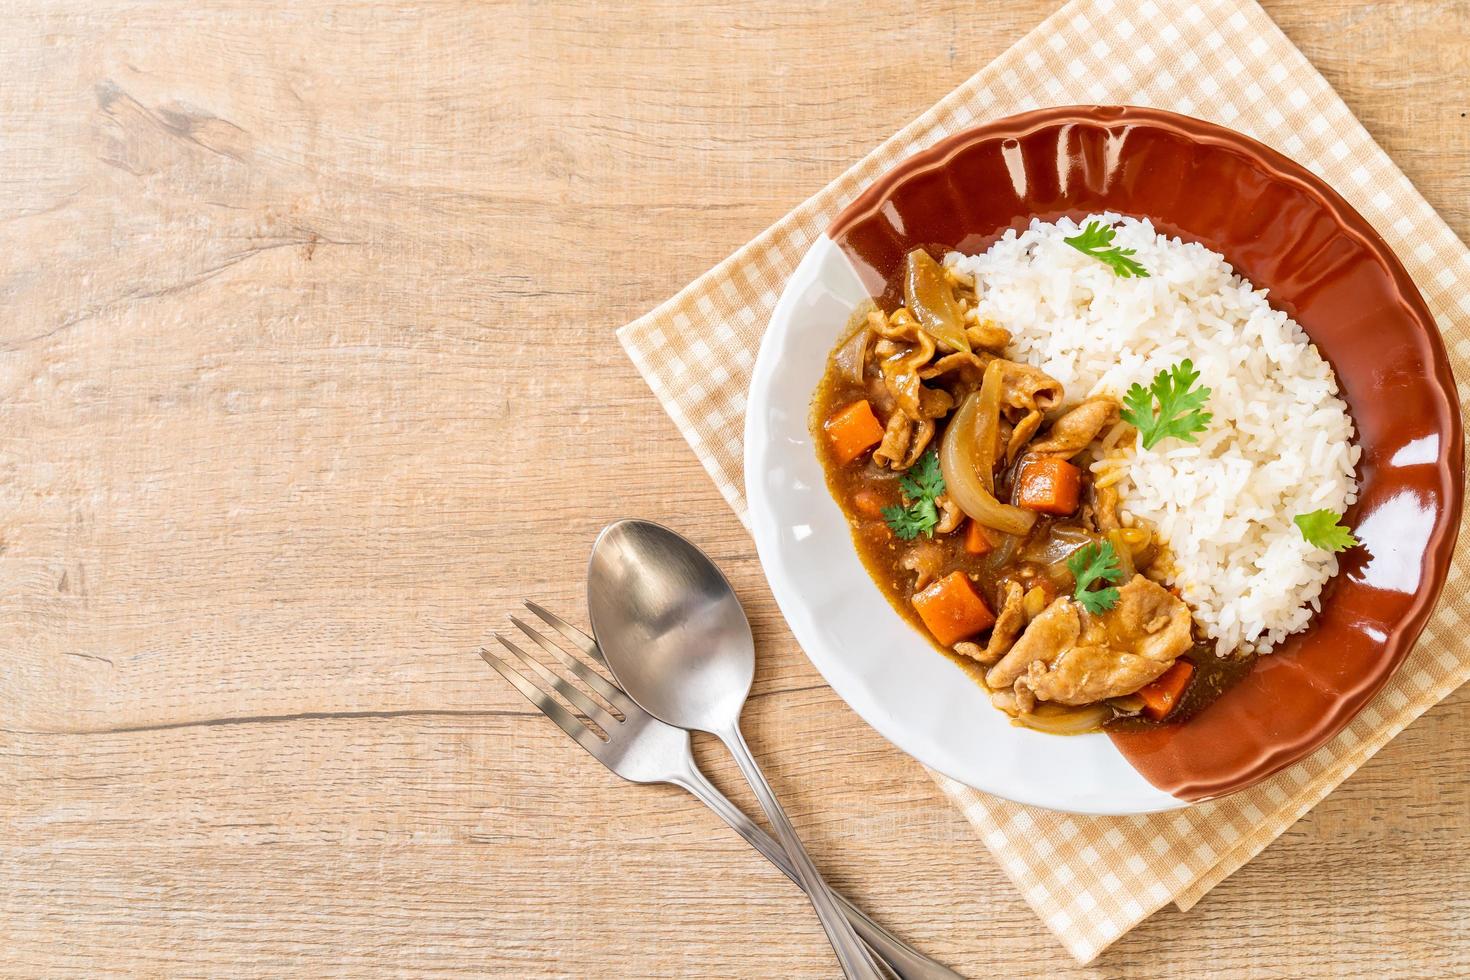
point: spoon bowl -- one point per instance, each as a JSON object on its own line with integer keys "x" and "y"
{"x": 668, "y": 618}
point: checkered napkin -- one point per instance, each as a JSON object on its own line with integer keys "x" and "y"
{"x": 1091, "y": 879}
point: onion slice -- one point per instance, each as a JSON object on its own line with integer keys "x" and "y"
{"x": 851, "y": 357}
{"x": 1057, "y": 545}
{"x": 1125, "y": 555}
{"x": 931, "y": 301}
{"x": 1055, "y": 719}
{"x": 961, "y": 464}
{"x": 987, "y": 423}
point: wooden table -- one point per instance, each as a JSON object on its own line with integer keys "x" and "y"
{"x": 307, "y": 376}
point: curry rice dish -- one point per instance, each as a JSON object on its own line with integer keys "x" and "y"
{"x": 1092, "y": 465}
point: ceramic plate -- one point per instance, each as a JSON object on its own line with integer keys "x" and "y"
{"x": 1280, "y": 227}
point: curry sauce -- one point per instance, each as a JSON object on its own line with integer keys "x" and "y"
{"x": 890, "y": 371}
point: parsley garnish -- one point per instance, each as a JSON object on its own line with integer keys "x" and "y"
{"x": 1094, "y": 241}
{"x": 920, "y": 485}
{"x": 911, "y": 521}
{"x": 1095, "y": 563}
{"x": 925, "y": 479}
{"x": 1321, "y": 529}
{"x": 1179, "y": 412}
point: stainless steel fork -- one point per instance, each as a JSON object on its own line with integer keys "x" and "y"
{"x": 642, "y": 749}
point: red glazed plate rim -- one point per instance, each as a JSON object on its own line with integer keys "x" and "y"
{"x": 1449, "y": 467}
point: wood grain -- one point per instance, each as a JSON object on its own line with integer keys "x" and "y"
{"x": 307, "y": 376}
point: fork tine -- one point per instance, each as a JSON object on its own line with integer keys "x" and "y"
{"x": 586, "y": 705}
{"x": 615, "y": 695}
{"x": 581, "y": 640}
{"x": 567, "y": 721}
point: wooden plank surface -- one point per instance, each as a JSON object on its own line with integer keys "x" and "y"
{"x": 307, "y": 375}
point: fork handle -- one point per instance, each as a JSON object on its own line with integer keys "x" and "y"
{"x": 905, "y": 961}
{"x": 856, "y": 962}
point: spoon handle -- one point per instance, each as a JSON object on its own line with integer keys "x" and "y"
{"x": 906, "y": 962}
{"x": 856, "y": 962}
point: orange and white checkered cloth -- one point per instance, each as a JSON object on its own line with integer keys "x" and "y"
{"x": 1091, "y": 879}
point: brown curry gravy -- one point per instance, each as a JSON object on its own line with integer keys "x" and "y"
{"x": 881, "y": 551}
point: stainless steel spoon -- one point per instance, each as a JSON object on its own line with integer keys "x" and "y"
{"x": 678, "y": 642}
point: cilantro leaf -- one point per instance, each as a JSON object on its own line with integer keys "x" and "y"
{"x": 927, "y": 512}
{"x": 1178, "y": 413}
{"x": 1098, "y": 601}
{"x": 1095, "y": 239}
{"x": 1321, "y": 529}
{"x": 905, "y": 523}
{"x": 924, "y": 479}
{"x": 1095, "y": 563}
{"x": 920, "y": 485}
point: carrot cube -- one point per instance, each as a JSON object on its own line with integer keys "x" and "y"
{"x": 953, "y": 610}
{"x": 977, "y": 539}
{"x": 869, "y": 503}
{"x": 853, "y": 430}
{"x": 1049, "y": 485}
{"x": 1161, "y": 695}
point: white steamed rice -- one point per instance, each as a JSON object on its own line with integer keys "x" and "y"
{"x": 1280, "y": 441}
